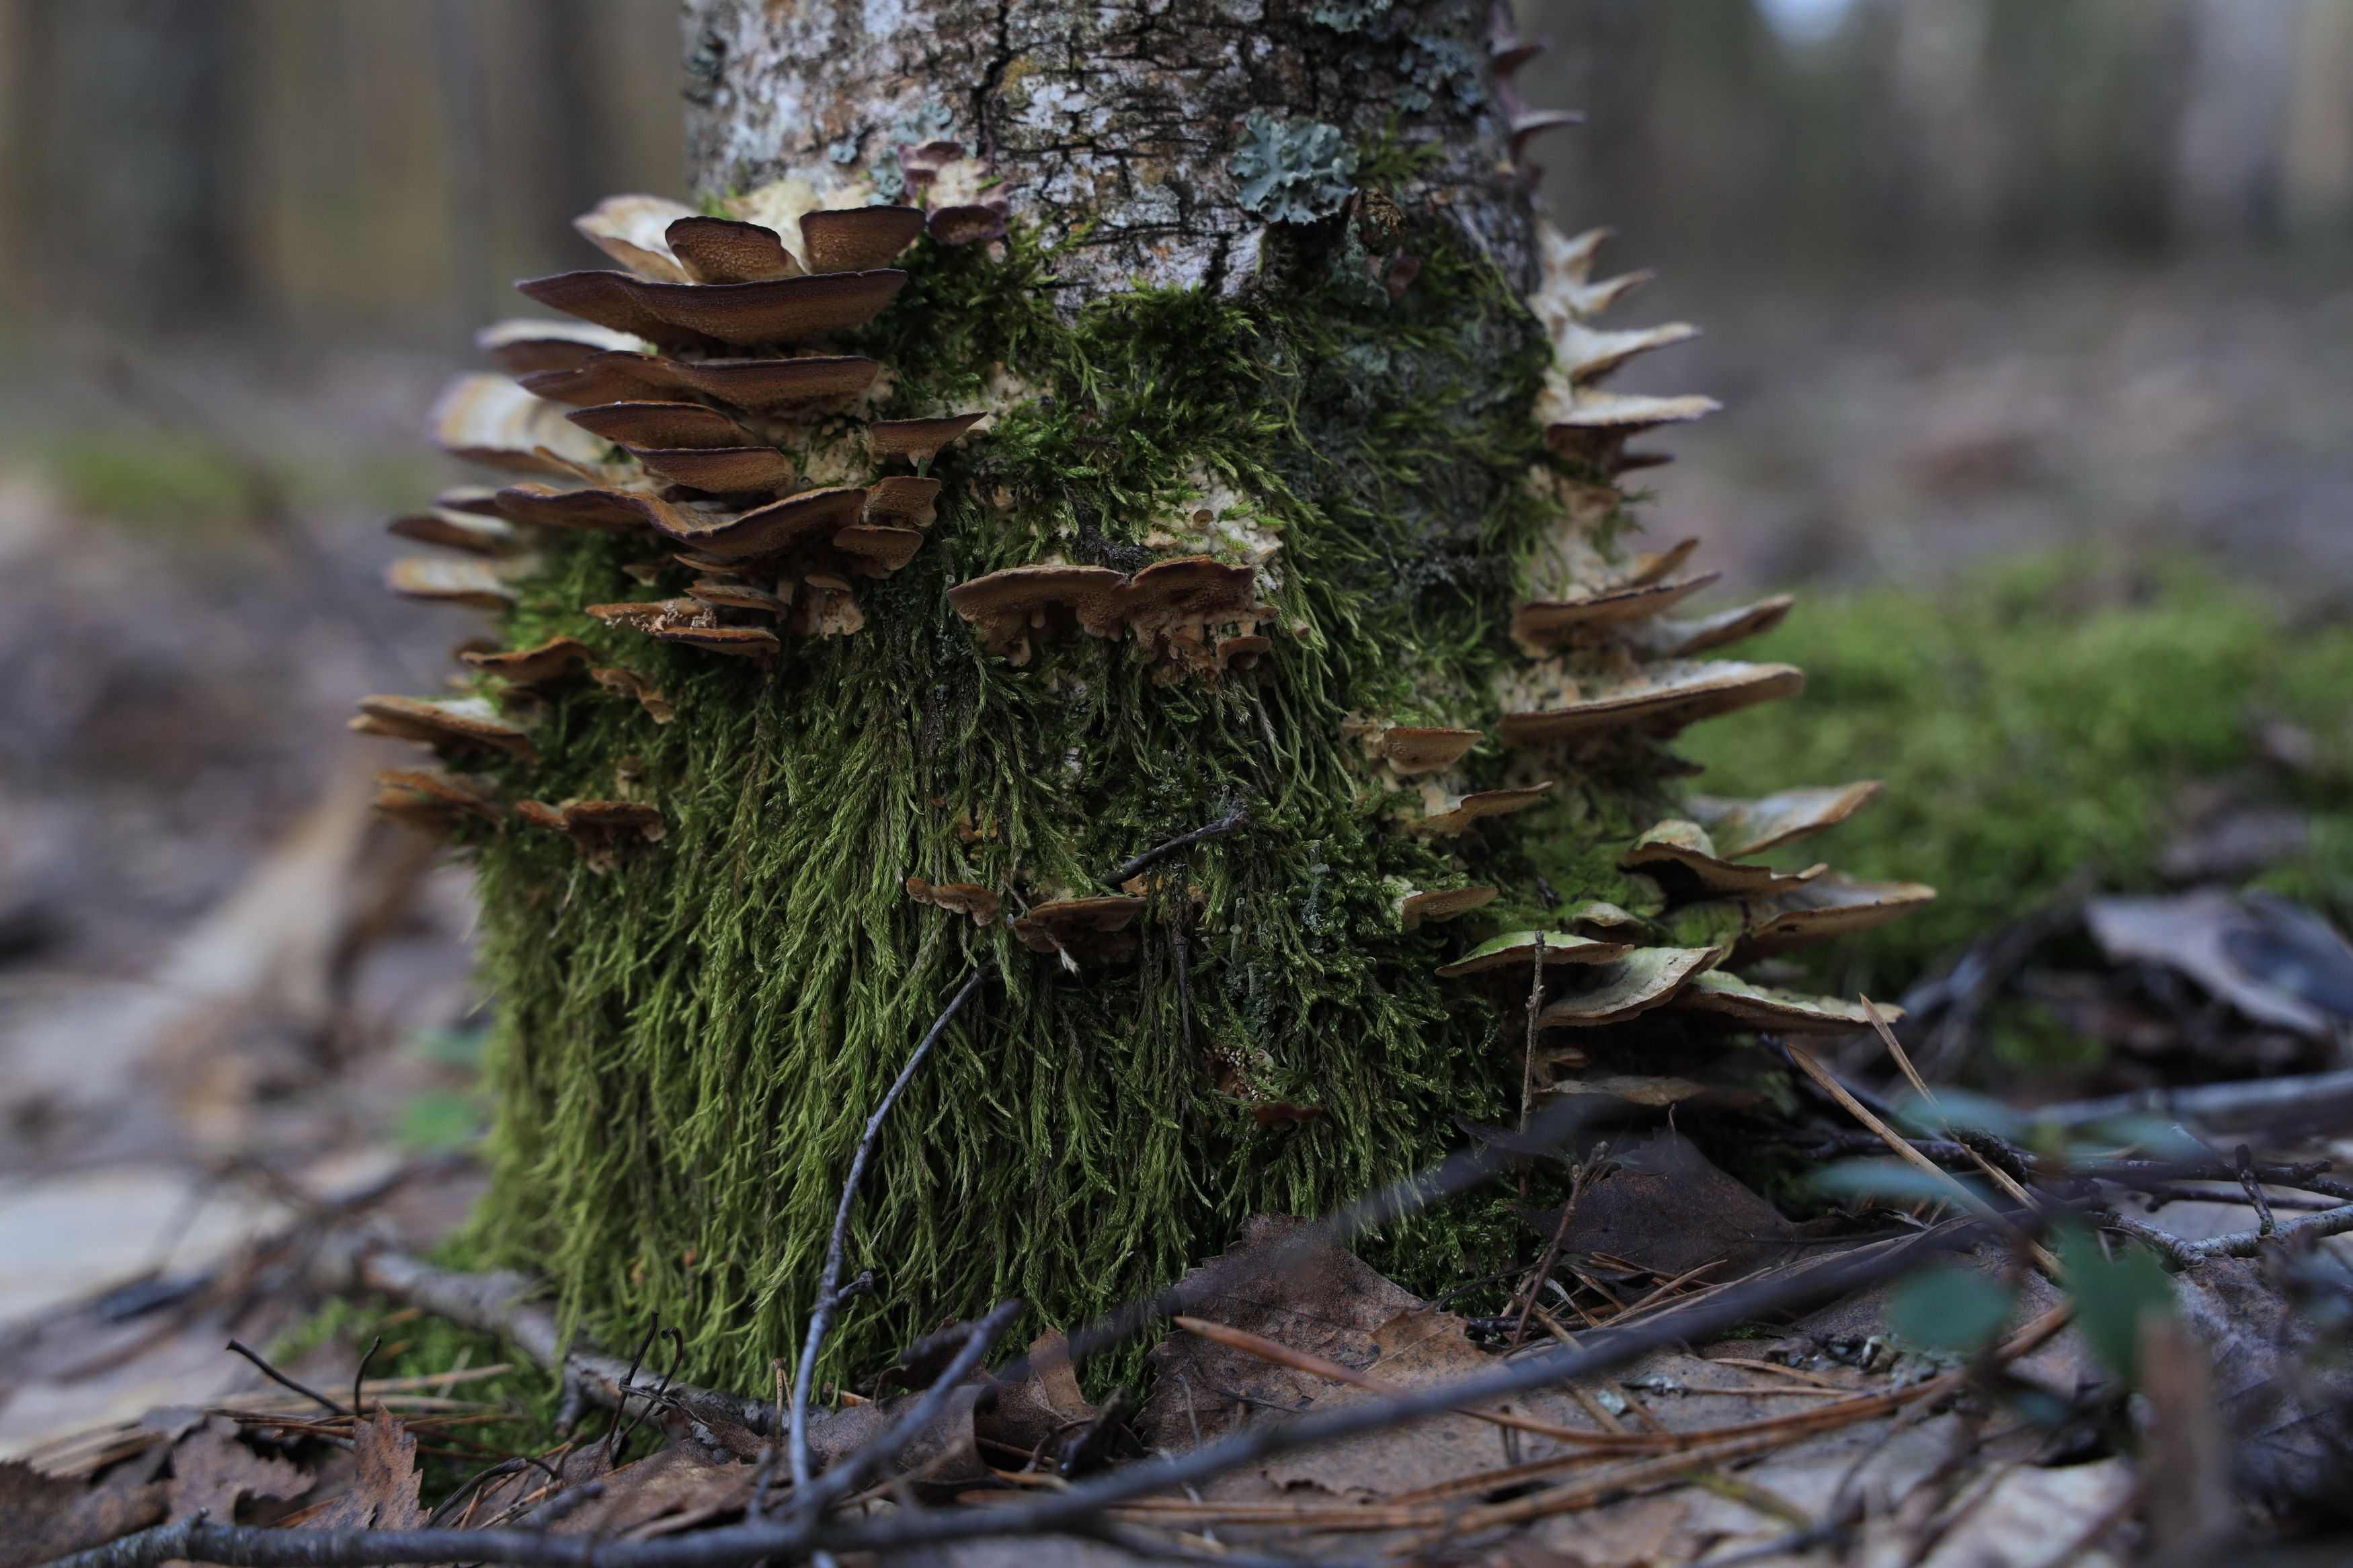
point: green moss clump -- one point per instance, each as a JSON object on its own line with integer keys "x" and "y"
{"x": 2033, "y": 720}
{"x": 689, "y": 1045}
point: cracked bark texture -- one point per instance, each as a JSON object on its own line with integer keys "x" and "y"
{"x": 1111, "y": 122}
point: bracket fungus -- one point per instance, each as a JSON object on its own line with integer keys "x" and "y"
{"x": 1089, "y": 931}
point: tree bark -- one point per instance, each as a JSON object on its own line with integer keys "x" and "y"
{"x": 1113, "y": 122}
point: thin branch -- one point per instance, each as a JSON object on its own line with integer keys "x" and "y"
{"x": 280, "y": 1378}
{"x": 2238, "y": 1243}
{"x": 2324, "y": 1097}
{"x": 1152, "y": 857}
{"x": 829, "y": 1289}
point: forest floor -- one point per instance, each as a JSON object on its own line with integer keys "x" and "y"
{"x": 236, "y": 1022}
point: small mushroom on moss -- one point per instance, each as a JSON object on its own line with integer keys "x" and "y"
{"x": 1653, "y": 565}
{"x": 733, "y": 593}
{"x": 720, "y": 469}
{"x": 1763, "y": 1007}
{"x": 1660, "y": 701}
{"x": 1586, "y": 355}
{"x": 1411, "y": 748}
{"x": 1606, "y": 922}
{"x": 967, "y": 899}
{"x": 476, "y": 583}
{"x": 631, "y": 230}
{"x": 445, "y": 723}
{"x": 1645, "y": 978}
{"x": 630, "y": 684}
{"x": 1441, "y": 904}
{"x": 489, "y": 419}
{"x": 551, "y": 660}
{"x": 1517, "y": 950}
{"x": 432, "y": 801}
{"x": 1470, "y": 809}
{"x": 901, "y": 500}
{"x": 765, "y": 386}
{"x": 739, "y": 642}
{"x": 1746, "y": 828}
{"x": 876, "y": 552}
{"x": 1090, "y": 930}
{"x": 1283, "y": 1113}
{"x": 783, "y": 310}
{"x": 607, "y": 299}
{"x": 795, "y": 523}
{"x": 1242, "y": 652}
{"x": 1826, "y": 907}
{"x": 644, "y": 615}
{"x": 1008, "y": 609}
{"x": 593, "y": 509}
{"x": 1681, "y": 858}
{"x": 524, "y": 348}
{"x": 600, "y": 831}
{"x": 728, "y": 250}
{"x": 659, "y": 424}
{"x": 917, "y": 440}
{"x": 829, "y": 608}
{"x": 1548, "y": 623}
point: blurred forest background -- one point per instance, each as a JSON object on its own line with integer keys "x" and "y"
{"x": 2032, "y": 318}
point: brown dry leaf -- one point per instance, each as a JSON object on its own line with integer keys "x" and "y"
{"x": 41, "y": 1518}
{"x": 2290, "y": 1415}
{"x": 384, "y": 1482}
{"x": 667, "y": 1491}
{"x": 1284, "y": 1278}
{"x": 1028, "y": 1417}
{"x": 212, "y": 1470}
{"x": 1667, "y": 1208}
{"x": 1416, "y": 1348}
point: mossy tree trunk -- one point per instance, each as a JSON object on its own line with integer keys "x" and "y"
{"x": 1256, "y": 309}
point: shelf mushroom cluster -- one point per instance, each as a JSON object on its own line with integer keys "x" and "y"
{"x": 693, "y": 405}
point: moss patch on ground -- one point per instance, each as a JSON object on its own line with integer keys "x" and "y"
{"x": 2038, "y": 718}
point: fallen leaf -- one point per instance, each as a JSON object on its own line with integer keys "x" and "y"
{"x": 1666, "y": 1208}
{"x": 384, "y": 1482}
{"x": 212, "y": 1470}
{"x": 674, "y": 1489}
{"x": 2290, "y": 1418}
{"x": 41, "y": 1518}
{"x": 2196, "y": 933}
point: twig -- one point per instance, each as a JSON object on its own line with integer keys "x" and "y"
{"x": 2238, "y": 1243}
{"x": 1994, "y": 1173}
{"x": 280, "y": 1378}
{"x": 830, "y": 1282}
{"x": 2317, "y": 1098}
{"x": 1559, "y": 1233}
{"x": 1240, "y": 818}
{"x": 2245, "y": 1163}
{"x": 1074, "y": 1508}
{"x": 359, "y": 1377}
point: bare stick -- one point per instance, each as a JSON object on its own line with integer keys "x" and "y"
{"x": 280, "y": 1378}
{"x": 828, "y": 1288}
{"x": 1152, "y": 857}
{"x": 2238, "y": 1243}
{"x": 2324, "y": 1097}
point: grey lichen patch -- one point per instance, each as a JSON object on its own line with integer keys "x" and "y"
{"x": 1349, "y": 16}
{"x": 1436, "y": 67}
{"x": 1293, "y": 171}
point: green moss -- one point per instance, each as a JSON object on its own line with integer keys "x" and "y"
{"x": 687, "y": 1045}
{"x": 2038, "y": 718}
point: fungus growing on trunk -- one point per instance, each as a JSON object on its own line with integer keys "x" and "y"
{"x": 1057, "y": 528}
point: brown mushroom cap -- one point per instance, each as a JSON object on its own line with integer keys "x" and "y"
{"x": 551, "y": 660}
{"x": 1763, "y": 1007}
{"x": 643, "y": 615}
{"x": 530, "y": 347}
{"x": 608, "y": 376}
{"x": 1485, "y": 803}
{"x": 1651, "y": 566}
{"x": 1826, "y": 907}
{"x": 795, "y": 523}
{"x": 1683, "y": 858}
{"x": 1682, "y": 639}
{"x": 489, "y": 419}
{"x": 609, "y": 299}
{"x": 449, "y": 721}
{"x": 629, "y": 229}
{"x": 598, "y": 510}
{"x": 1606, "y": 922}
{"x": 1091, "y": 928}
{"x": 1546, "y": 623}
{"x": 786, "y": 311}
{"x": 876, "y": 552}
{"x": 1620, "y": 411}
{"x": 901, "y": 500}
{"x": 657, "y": 425}
{"x": 466, "y": 531}
{"x": 720, "y": 469}
{"x": 1586, "y": 355}
{"x": 735, "y": 595}
{"x": 1518, "y": 949}
{"x": 1190, "y": 587}
{"x": 743, "y": 642}
{"x": 728, "y": 250}
{"x": 917, "y": 440}
{"x": 1412, "y": 748}
{"x": 1242, "y": 652}
{"x": 475, "y": 501}
{"x": 457, "y": 795}
{"x": 629, "y": 683}
{"x": 1443, "y": 904}
{"x": 1645, "y": 978}
{"x": 1662, "y": 700}
{"x": 858, "y": 240}
{"x": 469, "y": 581}
{"x": 1004, "y": 607}
{"x": 1746, "y": 828}
{"x": 958, "y": 899}
{"x": 599, "y": 830}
